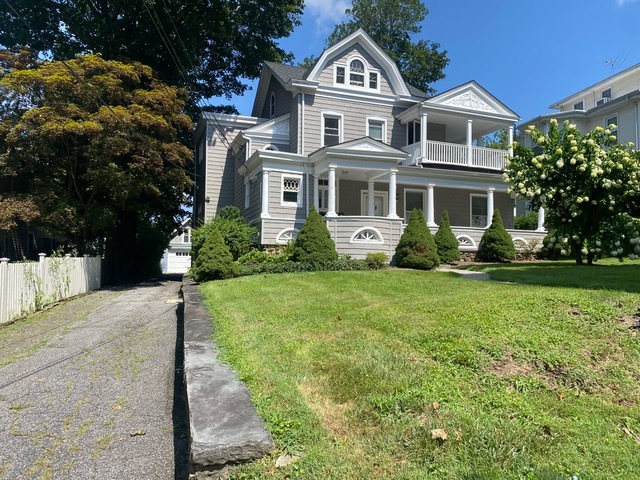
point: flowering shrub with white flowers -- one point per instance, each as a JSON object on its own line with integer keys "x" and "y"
{"x": 588, "y": 184}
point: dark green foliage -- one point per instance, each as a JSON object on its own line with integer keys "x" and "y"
{"x": 313, "y": 242}
{"x": 294, "y": 267}
{"x": 528, "y": 221}
{"x": 417, "y": 248}
{"x": 446, "y": 241}
{"x": 496, "y": 244}
{"x": 237, "y": 235}
{"x": 150, "y": 244}
{"x": 377, "y": 260}
{"x": 214, "y": 260}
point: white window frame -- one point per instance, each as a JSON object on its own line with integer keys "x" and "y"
{"x": 471, "y": 222}
{"x": 347, "y": 72}
{"x": 610, "y": 97}
{"x": 186, "y": 236}
{"x": 272, "y": 105}
{"x": 291, "y": 176}
{"x": 340, "y": 118}
{"x": 247, "y": 192}
{"x": 384, "y": 127}
{"x": 416, "y": 131}
{"x": 376, "y": 238}
{"x": 579, "y": 101}
{"x": 323, "y": 192}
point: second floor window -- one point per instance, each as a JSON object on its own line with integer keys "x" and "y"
{"x": 375, "y": 129}
{"x": 579, "y": 105}
{"x": 331, "y": 134}
{"x": 413, "y": 132}
{"x": 186, "y": 236}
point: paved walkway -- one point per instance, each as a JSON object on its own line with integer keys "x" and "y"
{"x": 94, "y": 390}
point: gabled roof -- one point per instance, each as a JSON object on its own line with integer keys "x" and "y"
{"x": 286, "y": 73}
{"x": 361, "y": 38}
{"x": 472, "y": 96}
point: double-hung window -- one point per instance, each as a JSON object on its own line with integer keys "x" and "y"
{"x": 291, "y": 190}
{"x": 376, "y": 128}
{"x": 331, "y": 129}
{"x": 478, "y": 210}
{"x": 356, "y": 73}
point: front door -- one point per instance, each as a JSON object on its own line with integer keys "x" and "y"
{"x": 380, "y": 208}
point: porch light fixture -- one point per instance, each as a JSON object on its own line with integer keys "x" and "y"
{"x": 345, "y": 172}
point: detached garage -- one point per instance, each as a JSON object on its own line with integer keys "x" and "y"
{"x": 177, "y": 256}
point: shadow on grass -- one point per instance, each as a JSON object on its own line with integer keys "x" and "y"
{"x": 607, "y": 276}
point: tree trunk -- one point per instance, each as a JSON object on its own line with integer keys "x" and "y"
{"x": 120, "y": 258}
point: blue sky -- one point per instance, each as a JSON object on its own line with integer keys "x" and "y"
{"x": 528, "y": 54}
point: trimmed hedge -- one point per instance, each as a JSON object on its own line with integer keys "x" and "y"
{"x": 214, "y": 261}
{"x": 294, "y": 267}
{"x": 313, "y": 242}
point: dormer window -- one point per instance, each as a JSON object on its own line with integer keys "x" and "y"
{"x": 356, "y": 73}
{"x": 340, "y": 75}
{"x": 606, "y": 93}
{"x": 579, "y": 105}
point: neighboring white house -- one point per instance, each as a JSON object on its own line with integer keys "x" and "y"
{"x": 177, "y": 256}
{"x": 614, "y": 100}
{"x": 351, "y": 138}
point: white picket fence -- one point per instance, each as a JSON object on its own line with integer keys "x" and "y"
{"x": 26, "y": 287}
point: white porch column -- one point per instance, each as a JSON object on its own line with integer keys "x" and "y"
{"x": 265, "y": 194}
{"x": 371, "y": 205}
{"x": 511, "y": 141}
{"x": 469, "y": 142}
{"x": 430, "y": 206}
{"x": 392, "y": 195}
{"x": 316, "y": 192}
{"x": 540, "y": 220}
{"x": 490, "y": 206}
{"x": 331, "y": 207}
{"x": 423, "y": 137}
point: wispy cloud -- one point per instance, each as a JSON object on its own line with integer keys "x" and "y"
{"x": 327, "y": 14}
{"x": 622, "y": 3}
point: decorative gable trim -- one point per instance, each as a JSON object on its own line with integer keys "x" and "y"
{"x": 360, "y": 37}
{"x": 471, "y": 97}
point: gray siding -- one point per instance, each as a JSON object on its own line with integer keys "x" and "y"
{"x": 342, "y": 230}
{"x": 354, "y": 126}
{"x": 276, "y": 209}
{"x": 271, "y": 228}
{"x": 283, "y": 100}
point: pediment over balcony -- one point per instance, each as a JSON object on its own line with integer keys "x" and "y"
{"x": 471, "y": 97}
{"x": 276, "y": 127}
{"x": 367, "y": 144}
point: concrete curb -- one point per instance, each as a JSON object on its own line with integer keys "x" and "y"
{"x": 224, "y": 426}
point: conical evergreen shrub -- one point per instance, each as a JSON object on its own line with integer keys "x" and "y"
{"x": 446, "y": 241}
{"x": 214, "y": 261}
{"x": 313, "y": 244}
{"x": 496, "y": 244}
{"x": 417, "y": 248}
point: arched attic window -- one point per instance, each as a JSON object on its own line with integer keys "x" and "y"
{"x": 356, "y": 73}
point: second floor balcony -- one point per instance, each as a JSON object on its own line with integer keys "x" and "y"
{"x": 444, "y": 153}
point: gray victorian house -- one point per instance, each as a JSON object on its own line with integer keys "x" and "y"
{"x": 351, "y": 138}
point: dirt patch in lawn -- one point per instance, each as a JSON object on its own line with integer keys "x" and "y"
{"x": 508, "y": 367}
{"x": 332, "y": 414}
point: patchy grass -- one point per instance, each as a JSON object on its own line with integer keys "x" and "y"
{"x": 363, "y": 374}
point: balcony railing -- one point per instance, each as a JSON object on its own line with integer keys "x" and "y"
{"x": 456, "y": 154}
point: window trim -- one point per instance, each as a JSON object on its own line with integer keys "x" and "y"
{"x": 416, "y": 131}
{"x": 186, "y": 236}
{"x": 330, "y": 114}
{"x": 272, "y": 105}
{"x": 291, "y": 176}
{"x": 578, "y": 102}
{"x": 384, "y": 127}
{"x": 368, "y": 70}
{"x": 471, "y": 197}
{"x": 610, "y": 93}
{"x": 322, "y": 187}
{"x": 364, "y": 202}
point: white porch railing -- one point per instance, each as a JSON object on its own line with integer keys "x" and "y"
{"x": 456, "y": 154}
{"x": 26, "y": 287}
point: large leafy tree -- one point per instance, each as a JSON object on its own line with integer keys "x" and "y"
{"x": 204, "y": 45}
{"x": 391, "y": 23}
{"x": 93, "y": 149}
{"x": 589, "y": 184}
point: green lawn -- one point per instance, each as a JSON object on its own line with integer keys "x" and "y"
{"x": 353, "y": 371}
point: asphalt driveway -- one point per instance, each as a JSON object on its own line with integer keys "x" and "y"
{"x": 93, "y": 388}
